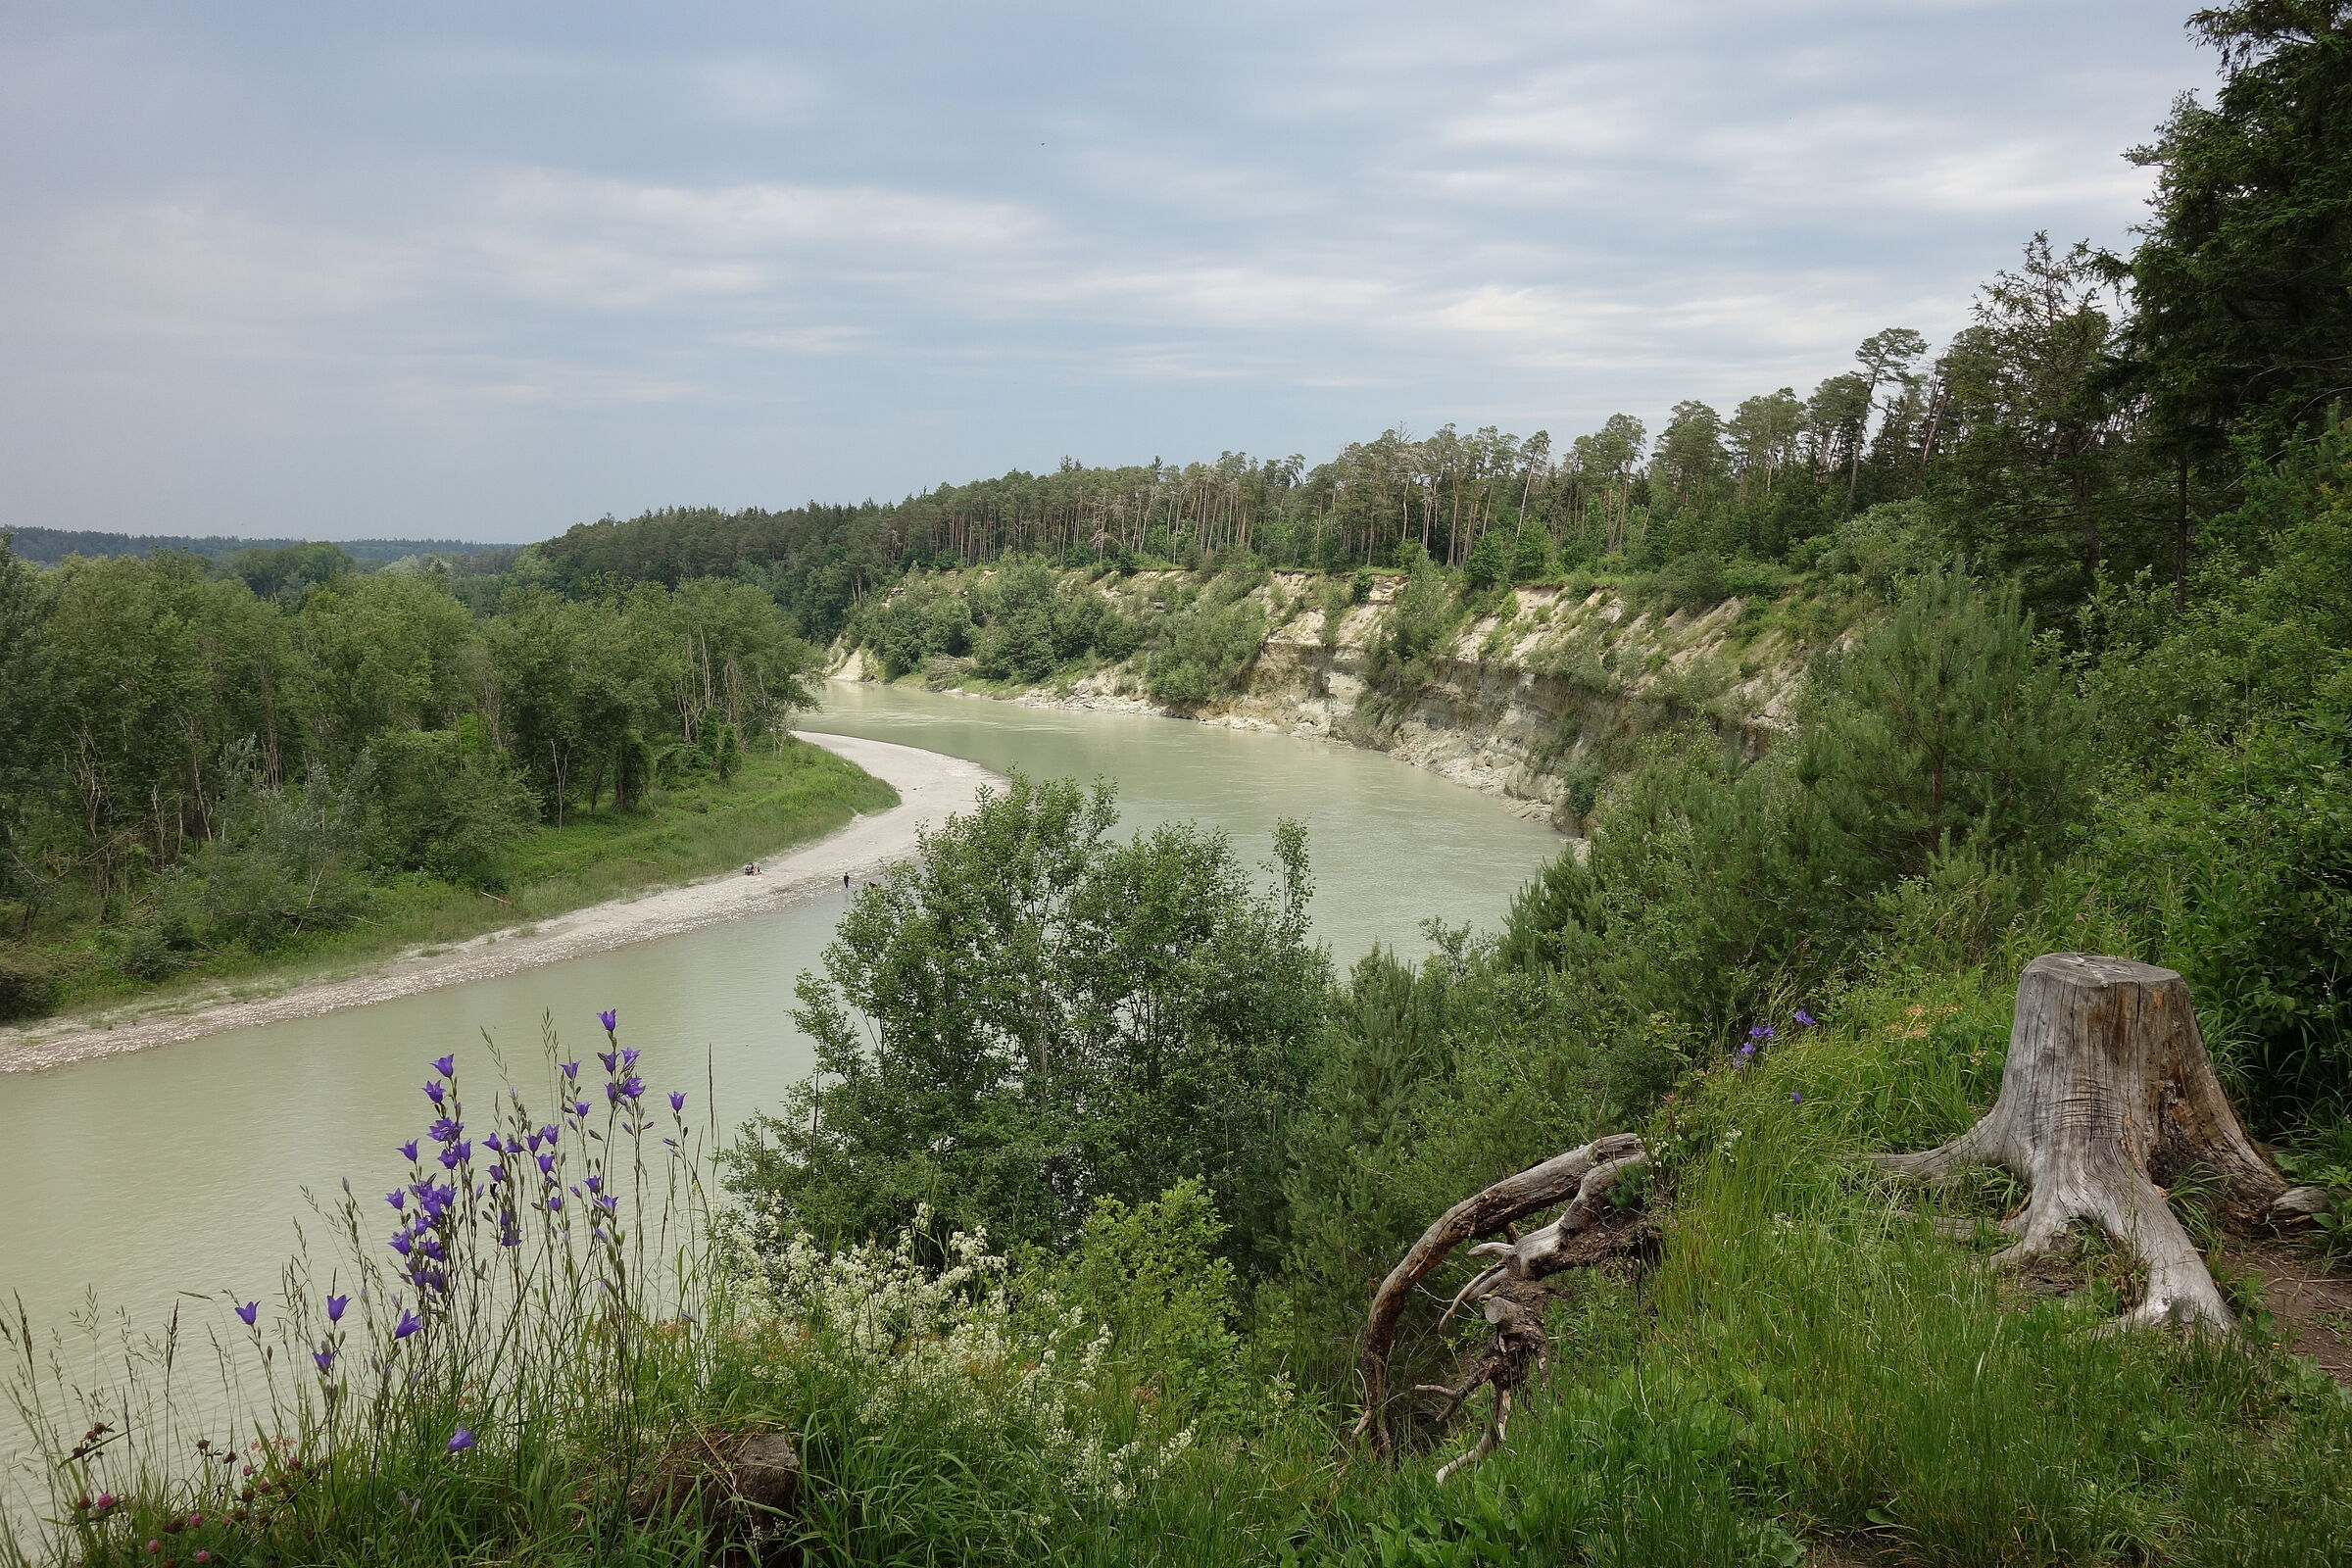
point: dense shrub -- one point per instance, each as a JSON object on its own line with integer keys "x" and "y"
{"x": 1037, "y": 1015}
{"x": 1201, "y": 649}
{"x": 26, "y": 983}
{"x": 447, "y": 805}
{"x": 1414, "y": 632}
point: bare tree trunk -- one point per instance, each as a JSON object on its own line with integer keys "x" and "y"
{"x": 2107, "y": 1091}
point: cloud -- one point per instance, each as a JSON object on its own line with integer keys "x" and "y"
{"x": 724, "y": 249}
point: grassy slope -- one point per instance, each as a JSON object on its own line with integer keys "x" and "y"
{"x": 1811, "y": 1373}
{"x": 694, "y": 829}
{"x": 1812, "y": 1368}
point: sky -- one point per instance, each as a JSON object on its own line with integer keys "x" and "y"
{"x": 483, "y": 271}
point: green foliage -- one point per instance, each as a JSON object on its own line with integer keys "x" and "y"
{"x": 1154, "y": 1277}
{"x": 1711, "y": 883}
{"x": 1416, "y": 629}
{"x": 1432, "y": 1082}
{"x": 1950, "y": 725}
{"x": 1531, "y": 553}
{"x": 288, "y": 568}
{"x": 2243, "y": 280}
{"x": 917, "y": 622}
{"x": 26, "y": 719}
{"x": 1022, "y": 623}
{"x": 27, "y": 983}
{"x": 1203, "y": 649}
{"x": 1692, "y": 582}
{"x": 1033, "y": 1017}
{"x": 1338, "y": 601}
{"x": 284, "y": 859}
{"x": 2239, "y": 869}
{"x": 2042, "y": 475}
{"x": 1489, "y": 563}
{"x": 446, "y": 804}
{"x": 2224, "y": 829}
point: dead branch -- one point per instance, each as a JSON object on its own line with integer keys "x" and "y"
{"x": 1581, "y": 1176}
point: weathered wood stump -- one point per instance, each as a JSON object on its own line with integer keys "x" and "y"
{"x": 1581, "y": 1176}
{"x": 765, "y": 1472}
{"x": 2107, "y": 1092}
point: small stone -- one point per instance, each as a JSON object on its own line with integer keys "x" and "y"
{"x": 767, "y": 1470}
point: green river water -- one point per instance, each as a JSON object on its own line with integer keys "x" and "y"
{"x": 130, "y": 1180}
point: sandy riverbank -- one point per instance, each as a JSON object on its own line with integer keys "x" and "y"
{"x": 931, "y": 787}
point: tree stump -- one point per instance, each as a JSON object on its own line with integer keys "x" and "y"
{"x": 764, "y": 1471}
{"x": 2107, "y": 1092}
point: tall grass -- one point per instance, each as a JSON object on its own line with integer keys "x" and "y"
{"x": 503, "y": 1347}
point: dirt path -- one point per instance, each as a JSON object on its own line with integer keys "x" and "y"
{"x": 931, "y": 787}
{"x": 2311, "y": 1305}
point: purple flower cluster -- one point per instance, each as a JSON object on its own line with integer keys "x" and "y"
{"x": 447, "y": 1204}
{"x": 1763, "y": 1034}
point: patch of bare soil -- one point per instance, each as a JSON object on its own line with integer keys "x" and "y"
{"x": 2311, "y": 1304}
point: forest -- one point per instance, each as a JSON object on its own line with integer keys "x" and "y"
{"x": 2024, "y": 444}
{"x": 207, "y": 763}
{"x": 1064, "y": 1254}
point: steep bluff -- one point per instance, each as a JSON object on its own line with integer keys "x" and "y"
{"x": 1537, "y": 694}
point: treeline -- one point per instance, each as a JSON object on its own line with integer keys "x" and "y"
{"x": 186, "y": 763}
{"x": 2040, "y": 442}
{"x": 49, "y": 546}
{"x": 2088, "y": 427}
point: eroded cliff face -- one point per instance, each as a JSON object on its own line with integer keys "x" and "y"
{"x": 1538, "y": 701}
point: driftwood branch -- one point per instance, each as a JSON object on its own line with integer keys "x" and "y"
{"x": 2107, "y": 1092}
{"x": 1581, "y": 1178}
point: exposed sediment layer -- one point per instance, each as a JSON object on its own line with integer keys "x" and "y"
{"x": 1523, "y": 702}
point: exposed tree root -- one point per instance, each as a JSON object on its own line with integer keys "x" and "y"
{"x": 1507, "y": 1289}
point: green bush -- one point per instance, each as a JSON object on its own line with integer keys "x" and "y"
{"x": 1037, "y": 1015}
{"x": 1204, "y": 649}
{"x": 1712, "y": 881}
{"x": 1531, "y": 553}
{"x": 28, "y": 984}
{"x": 447, "y": 805}
{"x": 1690, "y": 582}
{"x": 283, "y": 861}
{"x": 1489, "y": 563}
{"x": 1414, "y": 633}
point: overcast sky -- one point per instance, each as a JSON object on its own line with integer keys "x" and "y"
{"x": 488, "y": 270}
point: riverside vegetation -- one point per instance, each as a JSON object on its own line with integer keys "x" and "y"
{"x": 208, "y": 770}
{"x": 1061, "y": 1254}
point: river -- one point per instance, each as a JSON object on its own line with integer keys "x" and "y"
{"x": 130, "y": 1179}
